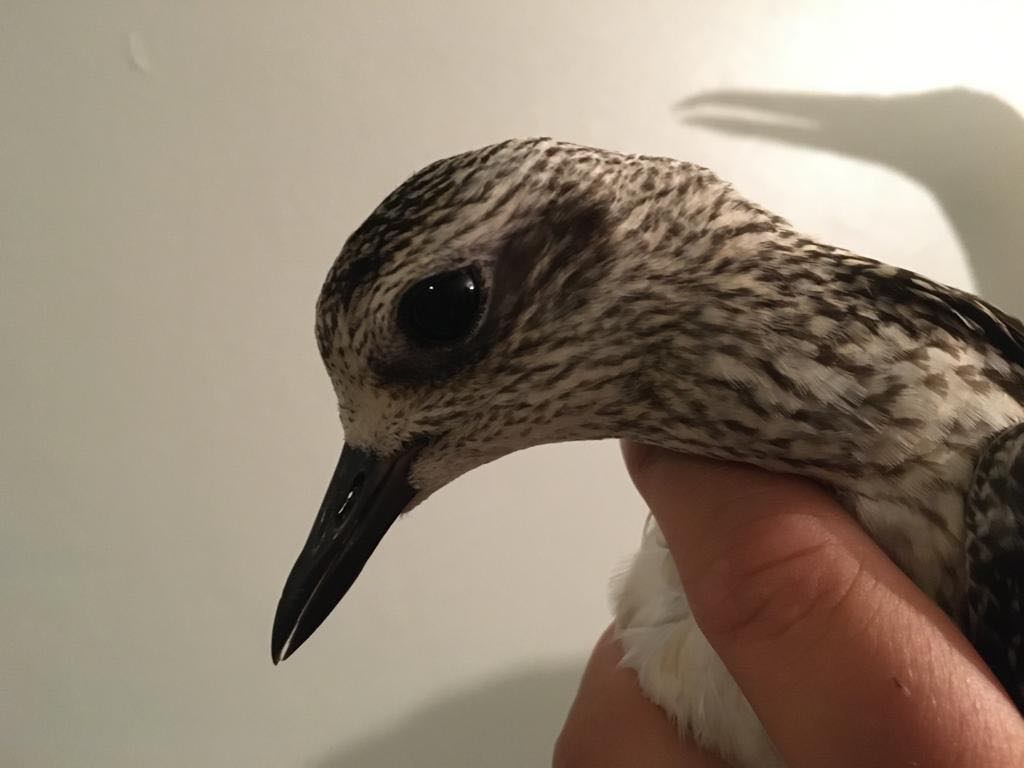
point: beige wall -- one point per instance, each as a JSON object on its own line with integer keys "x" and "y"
{"x": 175, "y": 178}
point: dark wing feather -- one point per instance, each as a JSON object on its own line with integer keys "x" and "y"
{"x": 961, "y": 314}
{"x": 995, "y": 560}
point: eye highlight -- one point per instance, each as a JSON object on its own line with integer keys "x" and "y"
{"x": 442, "y": 309}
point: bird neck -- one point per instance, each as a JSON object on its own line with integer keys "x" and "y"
{"x": 713, "y": 309}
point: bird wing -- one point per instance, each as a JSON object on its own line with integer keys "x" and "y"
{"x": 961, "y": 314}
{"x": 994, "y": 514}
{"x": 994, "y": 505}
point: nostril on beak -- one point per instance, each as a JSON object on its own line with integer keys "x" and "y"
{"x": 357, "y": 485}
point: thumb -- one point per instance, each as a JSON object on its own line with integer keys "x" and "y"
{"x": 844, "y": 660}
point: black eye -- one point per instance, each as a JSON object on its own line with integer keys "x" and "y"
{"x": 441, "y": 309}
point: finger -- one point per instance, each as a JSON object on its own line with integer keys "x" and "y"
{"x": 612, "y": 725}
{"x": 845, "y": 661}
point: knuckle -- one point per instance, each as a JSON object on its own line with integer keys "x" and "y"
{"x": 782, "y": 573}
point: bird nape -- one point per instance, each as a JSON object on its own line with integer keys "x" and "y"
{"x": 536, "y": 291}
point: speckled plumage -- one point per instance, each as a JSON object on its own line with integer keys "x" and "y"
{"x": 642, "y": 297}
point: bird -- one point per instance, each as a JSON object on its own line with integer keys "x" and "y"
{"x": 538, "y": 291}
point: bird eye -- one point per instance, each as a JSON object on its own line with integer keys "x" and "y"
{"x": 442, "y": 309}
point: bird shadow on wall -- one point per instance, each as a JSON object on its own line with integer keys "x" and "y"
{"x": 509, "y": 722}
{"x": 966, "y": 148}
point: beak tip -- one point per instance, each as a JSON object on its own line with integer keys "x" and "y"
{"x": 281, "y": 652}
{"x": 281, "y": 645}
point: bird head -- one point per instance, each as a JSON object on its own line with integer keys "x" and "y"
{"x": 468, "y": 317}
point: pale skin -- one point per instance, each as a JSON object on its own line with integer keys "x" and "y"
{"x": 844, "y": 660}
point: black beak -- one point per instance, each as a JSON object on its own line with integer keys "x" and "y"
{"x": 366, "y": 495}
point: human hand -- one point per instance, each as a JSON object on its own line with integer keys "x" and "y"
{"x": 844, "y": 660}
